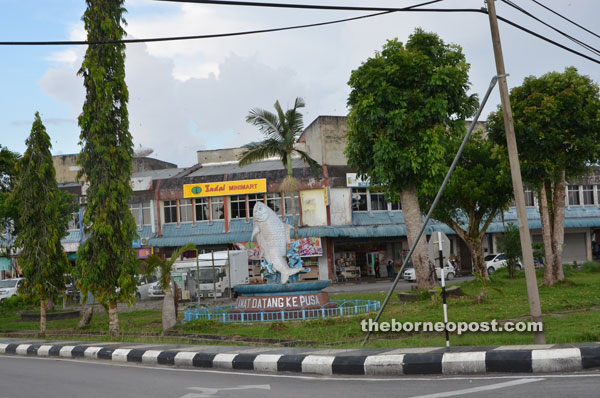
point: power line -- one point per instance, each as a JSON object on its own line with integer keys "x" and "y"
{"x": 218, "y": 35}
{"x": 211, "y": 36}
{"x": 565, "y": 18}
{"x": 577, "y": 41}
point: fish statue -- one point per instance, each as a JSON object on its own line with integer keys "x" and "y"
{"x": 273, "y": 235}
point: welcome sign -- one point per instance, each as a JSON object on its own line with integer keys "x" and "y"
{"x": 225, "y": 188}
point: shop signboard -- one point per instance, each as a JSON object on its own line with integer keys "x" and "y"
{"x": 224, "y": 188}
{"x": 144, "y": 252}
{"x": 309, "y": 247}
{"x": 352, "y": 181}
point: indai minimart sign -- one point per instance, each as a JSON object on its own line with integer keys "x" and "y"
{"x": 226, "y": 188}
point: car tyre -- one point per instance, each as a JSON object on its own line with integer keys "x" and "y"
{"x": 138, "y": 296}
{"x": 490, "y": 270}
{"x": 450, "y": 276}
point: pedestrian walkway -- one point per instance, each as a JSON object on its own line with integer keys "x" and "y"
{"x": 377, "y": 362}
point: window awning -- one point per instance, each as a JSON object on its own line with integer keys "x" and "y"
{"x": 5, "y": 264}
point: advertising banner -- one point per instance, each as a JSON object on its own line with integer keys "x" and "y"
{"x": 309, "y": 247}
{"x": 240, "y": 187}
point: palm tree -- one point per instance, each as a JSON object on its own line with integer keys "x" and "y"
{"x": 281, "y": 131}
{"x": 154, "y": 263}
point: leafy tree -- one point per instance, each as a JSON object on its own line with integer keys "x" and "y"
{"x": 557, "y": 126}
{"x": 8, "y": 173}
{"x": 43, "y": 213}
{"x": 155, "y": 263}
{"x": 510, "y": 244}
{"x": 281, "y": 130}
{"x": 407, "y": 104}
{"x": 480, "y": 188}
{"x": 106, "y": 261}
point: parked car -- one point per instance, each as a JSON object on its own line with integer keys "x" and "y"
{"x": 9, "y": 287}
{"x": 495, "y": 261}
{"x": 146, "y": 284}
{"x": 449, "y": 273}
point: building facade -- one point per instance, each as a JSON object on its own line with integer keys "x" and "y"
{"x": 345, "y": 225}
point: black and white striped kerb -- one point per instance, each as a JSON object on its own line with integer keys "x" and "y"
{"x": 502, "y": 359}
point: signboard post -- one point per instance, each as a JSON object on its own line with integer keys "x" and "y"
{"x": 443, "y": 243}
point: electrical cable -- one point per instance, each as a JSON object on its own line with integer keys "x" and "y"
{"x": 385, "y": 11}
{"x": 565, "y": 18}
{"x": 577, "y": 41}
{"x": 211, "y": 36}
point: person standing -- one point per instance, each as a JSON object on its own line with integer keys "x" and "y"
{"x": 390, "y": 268}
{"x": 376, "y": 267}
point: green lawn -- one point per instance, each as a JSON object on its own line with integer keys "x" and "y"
{"x": 562, "y": 305}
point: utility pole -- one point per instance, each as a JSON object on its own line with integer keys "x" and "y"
{"x": 515, "y": 171}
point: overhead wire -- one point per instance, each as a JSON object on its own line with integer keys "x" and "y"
{"x": 573, "y": 39}
{"x": 565, "y": 18}
{"x": 382, "y": 11}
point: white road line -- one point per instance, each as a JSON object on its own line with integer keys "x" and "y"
{"x": 319, "y": 378}
{"x": 479, "y": 389}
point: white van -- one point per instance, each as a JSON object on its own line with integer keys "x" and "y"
{"x": 9, "y": 287}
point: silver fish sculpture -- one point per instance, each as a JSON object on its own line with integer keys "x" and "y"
{"x": 272, "y": 236}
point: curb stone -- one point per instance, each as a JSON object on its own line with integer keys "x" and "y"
{"x": 439, "y": 361}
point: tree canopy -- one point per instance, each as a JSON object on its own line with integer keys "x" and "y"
{"x": 106, "y": 260}
{"x": 407, "y": 104}
{"x": 557, "y": 127}
{"x": 8, "y": 173}
{"x": 480, "y": 188}
{"x": 43, "y": 213}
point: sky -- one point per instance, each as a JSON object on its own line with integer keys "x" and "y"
{"x": 192, "y": 95}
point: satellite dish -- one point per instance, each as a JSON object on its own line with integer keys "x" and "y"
{"x": 142, "y": 152}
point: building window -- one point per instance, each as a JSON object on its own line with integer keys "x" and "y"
{"x": 395, "y": 206}
{"x": 146, "y": 212}
{"x": 134, "y": 208}
{"x": 573, "y": 193}
{"x": 274, "y": 202}
{"x": 529, "y": 201}
{"x": 252, "y": 199}
{"x": 287, "y": 203}
{"x": 202, "y": 209}
{"x": 217, "y": 208}
{"x": 378, "y": 201}
{"x": 588, "y": 194}
{"x": 359, "y": 199}
{"x": 74, "y": 221}
{"x": 237, "y": 204}
{"x": 185, "y": 210}
{"x": 170, "y": 211}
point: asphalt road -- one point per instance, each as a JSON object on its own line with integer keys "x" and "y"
{"x": 383, "y": 285}
{"x": 23, "y": 377}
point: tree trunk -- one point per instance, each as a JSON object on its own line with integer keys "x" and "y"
{"x": 43, "y": 317}
{"x": 558, "y": 237}
{"x": 547, "y": 224}
{"x": 413, "y": 220}
{"x": 50, "y": 305}
{"x": 86, "y": 318}
{"x": 168, "y": 311}
{"x": 113, "y": 319}
{"x": 476, "y": 249}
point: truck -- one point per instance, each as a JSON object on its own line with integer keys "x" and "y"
{"x": 217, "y": 273}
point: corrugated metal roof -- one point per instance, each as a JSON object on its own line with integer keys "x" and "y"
{"x": 378, "y": 218}
{"x": 158, "y": 174}
{"x": 73, "y": 236}
{"x": 232, "y": 167}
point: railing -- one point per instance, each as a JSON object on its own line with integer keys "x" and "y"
{"x": 225, "y": 314}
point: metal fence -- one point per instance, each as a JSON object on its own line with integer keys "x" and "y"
{"x": 226, "y": 314}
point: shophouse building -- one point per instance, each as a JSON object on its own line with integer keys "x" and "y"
{"x": 345, "y": 225}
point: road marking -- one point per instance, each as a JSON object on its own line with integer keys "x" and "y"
{"x": 320, "y": 378}
{"x": 479, "y": 389}
{"x": 210, "y": 392}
